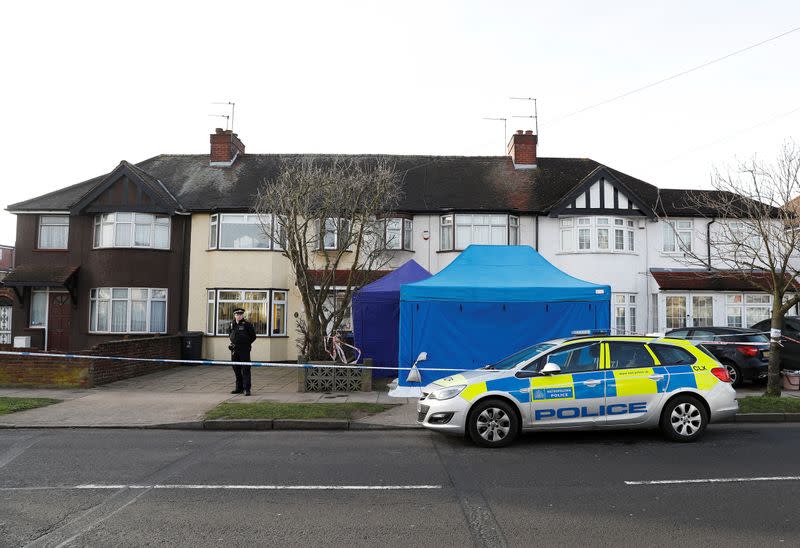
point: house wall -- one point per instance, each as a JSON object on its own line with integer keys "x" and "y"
{"x": 104, "y": 268}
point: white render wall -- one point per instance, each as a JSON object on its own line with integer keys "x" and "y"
{"x": 626, "y": 272}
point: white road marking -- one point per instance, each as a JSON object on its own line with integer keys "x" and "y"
{"x": 714, "y": 480}
{"x": 89, "y": 486}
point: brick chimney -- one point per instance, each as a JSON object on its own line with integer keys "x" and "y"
{"x": 225, "y": 148}
{"x": 522, "y": 149}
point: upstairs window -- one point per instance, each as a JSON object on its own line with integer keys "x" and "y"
{"x": 53, "y": 231}
{"x": 677, "y": 236}
{"x": 229, "y": 231}
{"x": 333, "y": 233}
{"x": 398, "y": 234}
{"x": 460, "y": 230}
{"x": 142, "y": 230}
{"x": 600, "y": 234}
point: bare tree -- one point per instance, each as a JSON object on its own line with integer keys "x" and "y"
{"x": 326, "y": 215}
{"x": 753, "y": 236}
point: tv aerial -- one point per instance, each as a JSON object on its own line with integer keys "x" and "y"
{"x": 228, "y": 117}
{"x": 534, "y": 116}
{"x": 505, "y": 128}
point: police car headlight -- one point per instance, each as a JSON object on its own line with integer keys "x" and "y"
{"x": 447, "y": 393}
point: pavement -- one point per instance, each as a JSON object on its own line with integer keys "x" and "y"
{"x": 180, "y": 397}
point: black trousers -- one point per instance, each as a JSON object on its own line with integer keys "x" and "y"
{"x": 241, "y": 370}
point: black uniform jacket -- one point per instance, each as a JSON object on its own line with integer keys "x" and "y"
{"x": 242, "y": 334}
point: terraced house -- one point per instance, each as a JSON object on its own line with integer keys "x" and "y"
{"x": 170, "y": 244}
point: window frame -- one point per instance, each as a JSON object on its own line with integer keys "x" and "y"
{"x": 678, "y": 232}
{"x": 42, "y": 223}
{"x": 573, "y": 229}
{"x": 94, "y": 297}
{"x": 406, "y": 238}
{"x": 627, "y": 302}
{"x": 212, "y": 307}
{"x": 216, "y": 228}
{"x": 449, "y": 224}
{"x": 100, "y": 221}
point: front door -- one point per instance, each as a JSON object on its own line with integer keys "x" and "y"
{"x": 5, "y": 324}
{"x": 574, "y": 396}
{"x": 59, "y": 320}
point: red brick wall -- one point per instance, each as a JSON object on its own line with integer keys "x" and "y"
{"x": 84, "y": 371}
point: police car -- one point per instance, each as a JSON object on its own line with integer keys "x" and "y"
{"x": 589, "y": 382}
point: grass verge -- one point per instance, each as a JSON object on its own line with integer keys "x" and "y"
{"x": 762, "y": 404}
{"x": 277, "y": 410}
{"x": 12, "y": 405}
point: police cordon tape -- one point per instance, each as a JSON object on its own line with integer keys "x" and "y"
{"x": 307, "y": 365}
{"x": 223, "y": 362}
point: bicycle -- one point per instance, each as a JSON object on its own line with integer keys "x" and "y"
{"x": 335, "y": 347}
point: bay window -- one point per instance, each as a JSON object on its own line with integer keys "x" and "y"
{"x": 266, "y": 309}
{"x": 127, "y": 310}
{"x": 53, "y": 231}
{"x": 460, "y": 230}
{"x": 601, "y": 234}
{"x": 121, "y": 229}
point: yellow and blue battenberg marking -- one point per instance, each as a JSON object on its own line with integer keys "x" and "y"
{"x": 633, "y": 382}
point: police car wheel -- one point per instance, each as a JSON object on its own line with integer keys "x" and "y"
{"x": 492, "y": 423}
{"x": 684, "y": 419}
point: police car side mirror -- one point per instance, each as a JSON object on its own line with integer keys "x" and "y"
{"x": 550, "y": 369}
{"x": 527, "y": 374}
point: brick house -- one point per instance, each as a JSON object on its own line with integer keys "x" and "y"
{"x": 170, "y": 243}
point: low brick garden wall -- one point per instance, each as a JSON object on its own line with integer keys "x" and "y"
{"x": 86, "y": 371}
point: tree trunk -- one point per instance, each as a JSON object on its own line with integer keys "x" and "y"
{"x": 774, "y": 369}
{"x": 315, "y": 340}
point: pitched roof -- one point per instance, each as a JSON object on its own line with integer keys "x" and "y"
{"x": 431, "y": 183}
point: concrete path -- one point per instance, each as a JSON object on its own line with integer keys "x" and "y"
{"x": 181, "y": 395}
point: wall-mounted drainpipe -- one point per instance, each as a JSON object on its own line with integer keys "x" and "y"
{"x": 708, "y": 239}
{"x": 536, "y": 228}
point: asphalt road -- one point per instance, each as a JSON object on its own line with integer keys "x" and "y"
{"x": 411, "y": 488}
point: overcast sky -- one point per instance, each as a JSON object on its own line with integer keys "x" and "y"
{"x": 87, "y": 84}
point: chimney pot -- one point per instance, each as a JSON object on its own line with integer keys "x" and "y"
{"x": 528, "y": 132}
{"x": 519, "y": 132}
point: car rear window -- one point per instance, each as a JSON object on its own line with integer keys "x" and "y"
{"x": 754, "y": 338}
{"x": 672, "y": 355}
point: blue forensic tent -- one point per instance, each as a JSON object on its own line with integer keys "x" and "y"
{"x": 376, "y": 316}
{"x": 490, "y": 302}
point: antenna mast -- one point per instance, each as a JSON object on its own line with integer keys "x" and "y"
{"x": 535, "y": 114}
{"x": 226, "y": 116}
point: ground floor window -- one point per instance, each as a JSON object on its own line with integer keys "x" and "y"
{"x": 266, "y": 309}
{"x": 5, "y": 324}
{"x": 336, "y": 298}
{"x": 128, "y": 310}
{"x": 745, "y": 309}
{"x": 38, "y": 316}
{"x": 624, "y": 305}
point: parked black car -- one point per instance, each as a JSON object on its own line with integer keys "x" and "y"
{"x": 790, "y": 353}
{"x": 745, "y": 362}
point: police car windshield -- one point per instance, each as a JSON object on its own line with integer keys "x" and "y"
{"x": 523, "y": 355}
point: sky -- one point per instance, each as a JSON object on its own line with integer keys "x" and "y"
{"x": 87, "y": 84}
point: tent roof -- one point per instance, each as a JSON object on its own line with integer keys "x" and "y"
{"x": 487, "y": 273}
{"x": 388, "y": 287}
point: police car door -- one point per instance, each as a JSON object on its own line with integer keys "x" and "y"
{"x": 572, "y": 397}
{"x": 635, "y": 385}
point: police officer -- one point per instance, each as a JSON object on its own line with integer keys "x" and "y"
{"x": 242, "y": 334}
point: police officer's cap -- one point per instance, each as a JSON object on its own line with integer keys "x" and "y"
{"x": 238, "y": 310}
